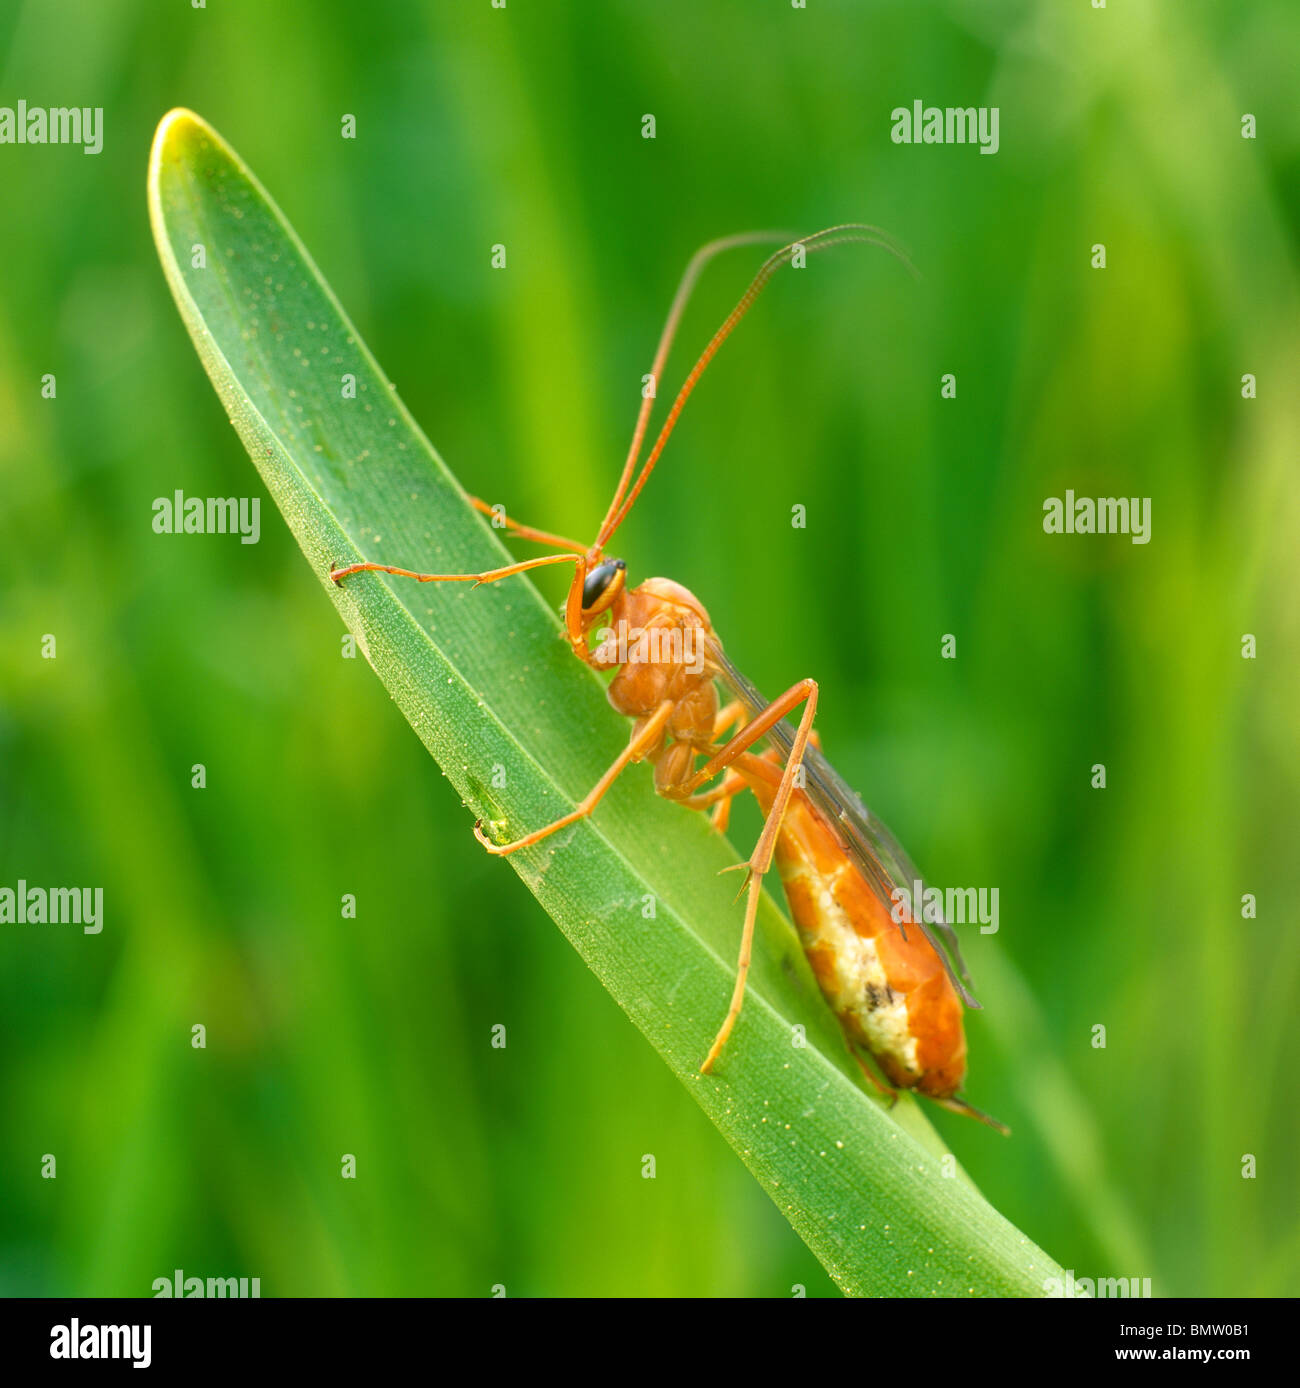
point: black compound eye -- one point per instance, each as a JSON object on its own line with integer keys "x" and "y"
{"x": 593, "y": 588}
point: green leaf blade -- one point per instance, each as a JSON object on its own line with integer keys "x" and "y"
{"x": 485, "y": 680}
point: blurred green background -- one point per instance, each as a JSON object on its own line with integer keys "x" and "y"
{"x": 1119, "y": 907}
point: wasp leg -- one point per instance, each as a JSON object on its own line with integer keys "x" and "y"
{"x": 805, "y": 692}
{"x": 721, "y": 796}
{"x": 718, "y": 800}
{"x": 644, "y": 738}
{"x": 487, "y": 576}
{"x": 526, "y": 532}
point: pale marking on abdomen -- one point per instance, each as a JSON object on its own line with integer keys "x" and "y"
{"x": 862, "y": 994}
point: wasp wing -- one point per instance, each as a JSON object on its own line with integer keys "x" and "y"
{"x": 876, "y": 852}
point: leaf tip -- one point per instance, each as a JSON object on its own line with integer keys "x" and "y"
{"x": 180, "y": 135}
{"x": 178, "y": 124}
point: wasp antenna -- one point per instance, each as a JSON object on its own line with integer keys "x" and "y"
{"x": 818, "y": 241}
{"x": 690, "y": 276}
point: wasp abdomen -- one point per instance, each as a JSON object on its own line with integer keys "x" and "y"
{"x": 891, "y": 994}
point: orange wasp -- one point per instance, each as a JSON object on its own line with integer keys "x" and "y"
{"x": 896, "y": 992}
